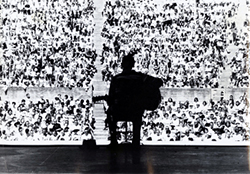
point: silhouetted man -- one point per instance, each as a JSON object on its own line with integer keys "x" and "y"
{"x": 127, "y": 98}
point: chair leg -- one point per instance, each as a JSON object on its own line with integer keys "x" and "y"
{"x": 126, "y": 131}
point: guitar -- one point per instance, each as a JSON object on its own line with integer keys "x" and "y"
{"x": 96, "y": 99}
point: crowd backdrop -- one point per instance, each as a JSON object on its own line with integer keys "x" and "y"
{"x": 198, "y": 48}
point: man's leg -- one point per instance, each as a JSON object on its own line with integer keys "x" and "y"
{"x": 112, "y": 130}
{"x": 136, "y": 133}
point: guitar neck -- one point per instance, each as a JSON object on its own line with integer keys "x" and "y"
{"x": 95, "y": 99}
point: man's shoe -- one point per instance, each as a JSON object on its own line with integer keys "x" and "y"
{"x": 112, "y": 146}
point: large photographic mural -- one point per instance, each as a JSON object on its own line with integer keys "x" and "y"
{"x": 49, "y": 64}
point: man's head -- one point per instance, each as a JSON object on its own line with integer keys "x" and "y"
{"x": 128, "y": 61}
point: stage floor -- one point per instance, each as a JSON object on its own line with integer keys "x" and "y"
{"x": 149, "y": 159}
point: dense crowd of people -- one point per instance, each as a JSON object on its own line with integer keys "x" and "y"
{"x": 47, "y": 43}
{"x": 224, "y": 120}
{"x": 65, "y": 118}
{"x": 186, "y": 44}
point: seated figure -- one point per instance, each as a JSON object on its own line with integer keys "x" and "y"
{"x": 128, "y": 94}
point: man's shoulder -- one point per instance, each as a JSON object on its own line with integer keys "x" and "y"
{"x": 130, "y": 74}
